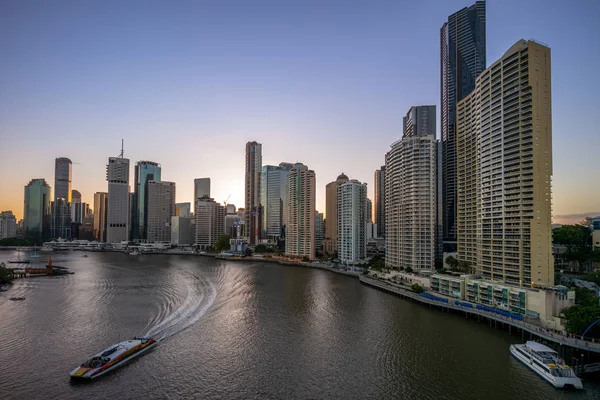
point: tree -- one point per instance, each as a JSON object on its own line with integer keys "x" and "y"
{"x": 305, "y": 259}
{"x": 6, "y": 275}
{"x": 452, "y": 262}
{"x": 260, "y": 248}
{"x": 465, "y": 266}
{"x": 415, "y": 287}
{"x": 222, "y": 243}
{"x": 409, "y": 270}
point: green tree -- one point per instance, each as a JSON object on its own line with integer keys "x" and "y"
{"x": 222, "y": 243}
{"x": 465, "y": 266}
{"x": 452, "y": 262}
{"x": 305, "y": 259}
{"x": 260, "y": 248}
{"x": 6, "y": 275}
{"x": 15, "y": 242}
{"x": 409, "y": 270}
{"x": 415, "y": 287}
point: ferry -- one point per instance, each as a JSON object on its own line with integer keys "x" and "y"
{"x": 113, "y": 357}
{"x": 547, "y": 364}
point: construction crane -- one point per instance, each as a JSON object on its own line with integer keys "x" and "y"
{"x": 228, "y": 197}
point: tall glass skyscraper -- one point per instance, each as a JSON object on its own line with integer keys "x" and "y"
{"x": 36, "y": 213}
{"x": 272, "y": 198}
{"x": 462, "y": 60}
{"x": 145, "y": 171}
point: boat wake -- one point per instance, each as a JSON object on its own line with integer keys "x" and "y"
{"x": 200, "y": 297}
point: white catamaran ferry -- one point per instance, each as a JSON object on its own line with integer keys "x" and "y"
{"x": 113, "y": 357}
{"x": 546, "y": 363}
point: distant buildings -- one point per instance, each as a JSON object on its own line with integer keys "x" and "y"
{"x": 160, "y": 209}
{"x": 182, "y": 230}
{"x": 252, "y": 217}
{"x": 330, "y": 244}
{"x": 462, "y": 59}
{"x": 352, "y": 221}
{"x": 201, "y": 188}
{"x": 145, "y": 171}
{"x": 299, "y": 212}
{"x": 411, "y": 195}
{"x": 596, "y": 232}
{"x": 379, "y": 201}
{"x": 8, "y": 225}
{"x": 272, "y": 199}
{"x": 210, "y": 218}
{"x": 36, "y": 215}
{"x": 369, "y": 211}
{"x": 117, "y": 214}
{"x": 100, "y": 209}
{"x": 319, "y": 230}
{"x": 76, "y": 210}
{"x": 183, "y": 209}
{"x": 504, "y": 158}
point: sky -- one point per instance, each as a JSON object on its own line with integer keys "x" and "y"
{"x": 325, "y": 83}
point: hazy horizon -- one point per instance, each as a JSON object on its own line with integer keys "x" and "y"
{"x": 187, "y": 84}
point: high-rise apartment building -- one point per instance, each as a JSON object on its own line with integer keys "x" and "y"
{"x": 504, "y": 150}
{"x": 379, "y": 201}
{"x": 210, "y": 218}
{"x": 369, "y": 211}
{"x": 411, "y": 195}
{"x": 160, "y": 209}
{"x": 330, "y": 244}
{"x": 100, "y": 209}
{"x": 272, "y": 198}
{"x": 8, "y": 225}
{"x": 117, "y": 213}
{"x": 253, "y": 216}
{"x": 36, "y": 215}
{"x": 319, "y": 230}
{"x": 299, "y": 212}
{"x": 183, "y": 210}
{"x": 201, "y": 188}
{"x": 462, "y": 59}
{"x": 62, "y": 179}
{"x": 145, "y": 171}
{"x": 352, "y": 221}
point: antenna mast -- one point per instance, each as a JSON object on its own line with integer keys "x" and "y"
{"x": 122, "y": 143}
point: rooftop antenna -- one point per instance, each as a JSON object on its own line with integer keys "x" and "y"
{"x": 122, "y": 143}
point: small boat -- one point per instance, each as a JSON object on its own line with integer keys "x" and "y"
{"x": 19, "y": 262}
{"x": 17, "y": 298}
{"x": 85, "y": 255}
{"x": 113, "y": 357}
{"x": 547, "y": 364}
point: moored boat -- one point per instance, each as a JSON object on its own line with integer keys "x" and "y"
{"x": 547, "y": 364}
{"x": 113, "y": 357}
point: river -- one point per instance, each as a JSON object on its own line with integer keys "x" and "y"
{"x": 246, "y": 330}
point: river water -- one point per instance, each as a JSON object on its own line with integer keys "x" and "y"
{"x": 246, "y": 330}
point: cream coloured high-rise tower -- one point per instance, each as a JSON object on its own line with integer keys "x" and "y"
{"x": 504, "y": 152}
{"x": 299, "y": 209}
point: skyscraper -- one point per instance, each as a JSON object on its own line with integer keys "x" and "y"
{"x": 100, "y": 208}
{"x": 319, "y": 229}
{"x": 330, "y": 244}
{"x": 145, "y": 171}
{"x": 210, "y": 219}
{"x": 411, "y": 201}
{"x": 183, "y": 210}
{"x": 62, "y": 179}
{"x": 379, "y": 201}
{"x": 161, "y": 207}
{"x": 77, "y": 212}
{"x": 117, "y": 213}
{"x": 369, "y": 211}
{"x": 352, "y": 221}
{"x": 462, "y": 60}
{"x": 252, "y": 216}
{"x": 272, "y": 198}
{"x": 8, "y": 225}
{"x": 505, "y": 169}
{"x": 36, "y": 215}
{"x": 299, "y": 212}
{"x": 201, "y": 188}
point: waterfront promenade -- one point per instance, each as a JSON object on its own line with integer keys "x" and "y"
{"x": 533, "y": 330}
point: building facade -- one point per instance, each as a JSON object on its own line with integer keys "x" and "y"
{"x": 182, "y": 231}
{"x": 210, "y": 218}
{"x": 183, "y": 210}
{"x": 352, "y": 221}
{"x": 36, "y": 214}
{"x": 160, "y": 209}
{"x": 330, "y": 244}
{"x": 100, "y": 208}
{"x": 379, "y": 201}
{"x": 201, "y": 188}
{"x": 252, "y": 216}
{"x": 272, "y": 198}
{"x": 299, "y": 212}
{"x": 117, "y": 210}
{"x": 504, "y": 150}
{"x": 8, "y": 225}
{"x": 462, "y": 58}
{"x": 62, "y": 179}
{"x": 411, "y": 195}
{"x": 144, "y": 172}
{"x": 319, "y": 231}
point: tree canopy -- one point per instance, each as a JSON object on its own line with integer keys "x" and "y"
{"x": 222, "y": 243}
{"x": 583, "y": 314}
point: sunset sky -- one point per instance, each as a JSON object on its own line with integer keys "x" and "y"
{"x": 325, "y": 83}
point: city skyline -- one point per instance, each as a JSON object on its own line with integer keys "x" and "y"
{"x": 279, "y": 105}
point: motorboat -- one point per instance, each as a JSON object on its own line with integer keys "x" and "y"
{"x": 547, "y": 364}
{"x": 113, "y": 357}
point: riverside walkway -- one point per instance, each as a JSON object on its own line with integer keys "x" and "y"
{"x": 534, "y": 330}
